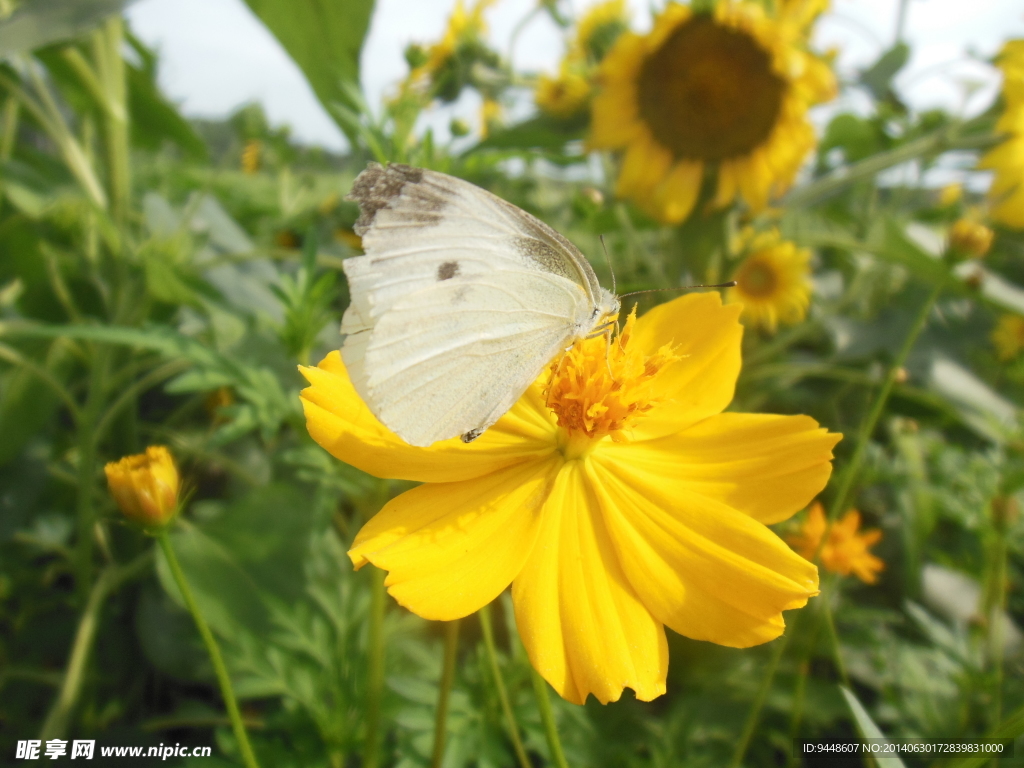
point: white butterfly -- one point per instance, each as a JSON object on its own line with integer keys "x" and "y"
{"x": 458, "y": 304}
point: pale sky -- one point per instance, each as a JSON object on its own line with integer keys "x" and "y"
{"x": 215, "y": 55}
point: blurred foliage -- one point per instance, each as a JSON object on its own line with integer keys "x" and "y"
{"x": 160, "y": 279}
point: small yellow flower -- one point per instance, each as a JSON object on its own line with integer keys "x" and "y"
{"x": 725, "y": 92}
{"x": 563, "y": 96}
{"x": 616, "y": 497}
{"x": 970, "y": 238}
{"x": 1008, "y": 336}
{"x": 1006, "y": 196}
{"x": 598, "y": 29}
{"x": 845, "y": 551}
{"x": 490, "y": 117}
{"x": 773, "y": 282}
{"x": 950, "y": 194}
{"x": 145, "y": 486}
{"x": 252, "y": 154}
{"x": 462, "y": 26}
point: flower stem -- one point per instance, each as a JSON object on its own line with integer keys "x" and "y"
{"x": 375, "y": 682}
{"x": 547, "y": 717}
{"x": 56, "y": 723}
{"x": 867, "y": 427}
{"x": 755, "y": 710}
{"x": 451, "y": 647}
{"x": 227, "y": 692}
{"x": 833, "y": 636}
{"x": 499, "y": 684}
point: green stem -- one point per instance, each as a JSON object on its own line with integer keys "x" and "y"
{"x": 499, "y": 684}
{"x": 867, "y": 427}
{"x": 10, "y": 127}
{"x": 107, "y": 42}
{"x": 755, "y": 709}
{"x": 375, "y": 682}
{"x": 547, "y": 718}
{"x": 56, "y": 723}
{"x": 833, "y": 635}
{"x": 451, "y": 647}
{"x": 942, "y": 140}
{"x": 211, "y": 648}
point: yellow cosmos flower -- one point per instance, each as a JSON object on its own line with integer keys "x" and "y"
{"x": 845, "y": 551}
{"x": 252, "y": 155}
{"x": 563, "y": 96}
{"x": 616, "y": 497}
{"x": 598, "y": 29}
{"x": 726, "y": 92}
{"x": 1006, "y": 196}
{"x": 145, "y": 486}
{"x": 1008, "y": 336}
{"x": 773, "y": 282}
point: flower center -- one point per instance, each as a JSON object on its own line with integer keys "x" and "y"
{"x": 602, "y": 387}
{"x": 709, "y": 92}
{"x": 757, "y": 279}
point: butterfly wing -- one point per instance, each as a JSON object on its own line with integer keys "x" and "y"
{"x": 459, "y": 302}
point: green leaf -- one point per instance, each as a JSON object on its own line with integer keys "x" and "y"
{"x": 155, "y": 121}
{"x": 325, "y": 38}
{"x": 868, "y": 730}
{"x": 227, "y": 597}
{"x": 39, "y": 22}
{"x": 1011, "y": 728}
{"x": 878, "y": 77}
{"x": 541, "y": 132}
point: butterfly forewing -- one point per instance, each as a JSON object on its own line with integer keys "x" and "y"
{"x": 459, "y": 302}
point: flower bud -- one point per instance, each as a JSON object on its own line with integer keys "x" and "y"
{"x": 970, "y": 238}
{"x": 145, "y": 486}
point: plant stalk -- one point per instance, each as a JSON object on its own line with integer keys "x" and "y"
{"x": 547, "y": 717}
{"x": 56, "y": 723}
{"x": 451, "y": 647}
{"x": 755, "y": 709}
{"x": 499, "y": 684}
{"x": 227, "y": 692}
{"x": 867, "y": 427}
{"x": 375, "y": 672}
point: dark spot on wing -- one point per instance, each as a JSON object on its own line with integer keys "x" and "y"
{"x": 398, "y": 187}
{"x": 546, "y": 256}
{"x": 448, "y": 270}
{"x": 473, "y": 434}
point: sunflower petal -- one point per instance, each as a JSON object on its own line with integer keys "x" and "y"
{"x": 677, "y": 194}
{"x": 763, "y": 465}
{"x": 451, "y": 548}
{"x": 584, "y": 627}
{"x": 339, "y": 420}
{"x": 706, "y": 570}
{"x": 706, "y": 337}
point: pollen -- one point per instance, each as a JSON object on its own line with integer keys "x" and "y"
{"x": 602, "y": 386}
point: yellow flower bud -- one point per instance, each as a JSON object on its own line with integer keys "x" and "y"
{"x": 145, "y": 486}
{"x": 970, "y": 238}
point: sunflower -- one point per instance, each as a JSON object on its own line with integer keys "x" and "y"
{"x": 1006, "y": 196}
{"x": 726, "y": 91}
{"x": 616, "y": 497}
{"x": 446, "y": 66}
{"x": 1008, "y": 336}
{"x": 598, "y": 29}
{"x": 969, "y": 238}
{"x": 563, "y": 96}
{"x": 846, "y": 549}
{"x": 773, "y": 281}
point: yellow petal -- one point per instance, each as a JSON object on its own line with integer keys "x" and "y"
{"x": 706, "y": 570}
{"x": 706, "y": 337}
{"x": 339, "y": 420}
{"x": 451, "y": 548}
{"x": 676, "y": 195}
{"x": 763, "y": 465}
{"x": 644, "y": 166}
{"x": 584, "y": 627}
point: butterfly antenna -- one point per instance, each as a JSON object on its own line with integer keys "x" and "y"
{"x": 607, "y": 260}
{"x": 729, "y": 284}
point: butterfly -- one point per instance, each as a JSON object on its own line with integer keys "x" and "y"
{"x": 458, "y": 304}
